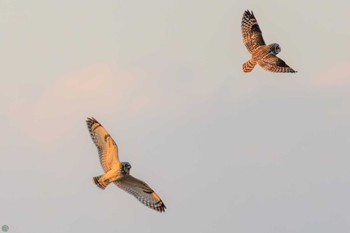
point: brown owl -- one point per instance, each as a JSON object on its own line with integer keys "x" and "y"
{"x": 262, "y": 54}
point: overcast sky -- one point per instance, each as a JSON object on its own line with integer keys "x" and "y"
{"x": 226, "y": 151}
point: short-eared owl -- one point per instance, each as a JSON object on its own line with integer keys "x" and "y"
{"x": 264, "y": 55}
{"x": 119, "y": 172}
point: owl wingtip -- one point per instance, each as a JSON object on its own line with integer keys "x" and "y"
{"x": 248, "y": 12}
{"x": 162, "y": 208}
{"x": 91, "y": 119}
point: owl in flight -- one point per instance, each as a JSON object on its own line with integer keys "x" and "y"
{"x": 119, "y": 172}
{"x": 264, "y": 55}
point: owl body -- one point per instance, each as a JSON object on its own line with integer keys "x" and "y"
{"x": 262, "y": 51}
{"x": 118, "y": 170}
{"x": 262, "y": 54}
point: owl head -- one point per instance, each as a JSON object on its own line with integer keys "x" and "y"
{"x": 126, "y": 168}
{"x": 275, "y": 48}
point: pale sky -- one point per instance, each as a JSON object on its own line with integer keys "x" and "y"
{"x": 226, "y": 151}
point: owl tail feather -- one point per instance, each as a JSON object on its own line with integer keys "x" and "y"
{"x": 99, "y": 184}
{"x": 249, "y": 66}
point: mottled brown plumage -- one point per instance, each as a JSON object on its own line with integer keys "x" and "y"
{"x": 262, "y": 54}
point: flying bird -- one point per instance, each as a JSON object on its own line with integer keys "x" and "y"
{"x": 119, "y": 172}
{"x": 262, "y": 54}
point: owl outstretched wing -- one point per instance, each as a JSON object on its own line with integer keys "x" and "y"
{"x": 107, "y": 148}
{"x": 275, "y": 64}
{"x": 252, "y": 35}
{"x": 141, "y": 191}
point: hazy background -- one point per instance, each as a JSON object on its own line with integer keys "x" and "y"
{"x": 226, "y": 151}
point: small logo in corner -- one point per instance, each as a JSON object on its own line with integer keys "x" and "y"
{"x": 5, "y": 228}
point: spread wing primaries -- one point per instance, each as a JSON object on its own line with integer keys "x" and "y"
{"x": 252, "y": 35}
{"x": 107, "y": 148}
{"x": 141, "y": 191}
{"x": 275, "y": 64}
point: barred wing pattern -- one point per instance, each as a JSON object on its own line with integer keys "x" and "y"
{"x": 141, "y": 191}
{"x": 252, "y": 35}
{"x": 107, "y": 148}
{"x": 275, "y": 64}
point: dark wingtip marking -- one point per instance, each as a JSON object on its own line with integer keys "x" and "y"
{"x": 162, "y": 208}
{"x": 90, "y": 121}
{"x": 248, "y": 13}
